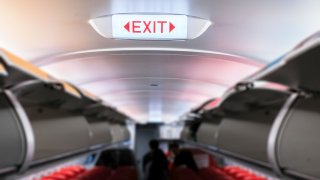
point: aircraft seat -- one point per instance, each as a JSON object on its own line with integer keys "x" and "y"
{"x": 66, "y": 173}
{"x": 211, "y": 174}
{"x": 96, "y": 173}
{"x": 203, "y": 159}
{"x": 241, "y": 174}
{"x": 55, "y": 176}
{"x": 130, "y": 170}
{"x": 72, "y": 171}
{"x": 182, "y": 173}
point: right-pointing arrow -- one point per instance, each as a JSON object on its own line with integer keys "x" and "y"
{"x": 171, "y": 27}
{"x": 127, "y": 26}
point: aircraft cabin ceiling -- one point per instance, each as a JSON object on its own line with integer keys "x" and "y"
{"x": 155, "y": 80}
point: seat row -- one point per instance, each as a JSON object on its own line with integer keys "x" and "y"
{"x": 214, "y": 173}
{"x": 96, "y": 173}
{"x": 209, "y": 169}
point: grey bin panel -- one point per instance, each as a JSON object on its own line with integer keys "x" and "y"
{"x": 57, "y": 132}
{"x": 299, "y": 141}
{"x": 11, "y": 136}
{"x": 100, "y": 133}
{"x": 208, "y": 130}
{"x": 207, "y": 133}
{"x": 119, "y": 133}
{"x": 186, "y": 134}
{"x": 246, "y": 134}
{"x": 126, "y": 133}
{"x": 300, "y": 68}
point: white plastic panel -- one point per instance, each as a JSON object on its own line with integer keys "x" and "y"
{"x": 119, "y": 133}
{"x": 298, "y": 143}
{"x": 12, "y": 142}
{"x": 57, "y": 132}
{"x": 245, "y": 133}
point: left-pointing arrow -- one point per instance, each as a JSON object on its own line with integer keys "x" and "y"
{"x": 127, "y": 26}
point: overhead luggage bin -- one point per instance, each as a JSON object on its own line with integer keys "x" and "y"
{"x": 107, "y": 125}
{"x": 119, "y": 132}
{"x": 104, "y": 110}
{"x": 208, "y": 130}
{"x": 186, "y": 134}
{"x": 16, "y": 135}
{"x": 3, "y": 74}
{"x": 56, "y": 94}
{"x": 100, "y": 133}
{"x": 99, "y": 125}
{"x": 89, "y": 97}
{"x": 57, "y": 133}
{"x": 17, "y": 70}
{"x": 192, "y": 122}
{"x": 206, "y": 119}
{"x": 12, "y": 137}
{"x": 248, "y": 117}
{"x": 32, "y": 84}
{"x": 297, "y": 69}
{"x": 49, "y": 123}
{"x": 47, "y": 103}
{"x": 296, "y": 145}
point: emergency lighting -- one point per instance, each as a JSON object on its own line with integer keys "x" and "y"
{"x": 150, "y": 26}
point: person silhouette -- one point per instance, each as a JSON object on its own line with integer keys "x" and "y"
{"x": 155, "y": 163}
{"x": 185, "y": 159}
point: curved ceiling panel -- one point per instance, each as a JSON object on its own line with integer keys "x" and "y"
{"x": 148, "y": 81}
{"x": 56, "y": 35}
{"x": 124, "y": 85}
{"x": 155, "y": 106}
{"x": 207, "y": 69}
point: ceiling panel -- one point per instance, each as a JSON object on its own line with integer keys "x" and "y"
{"x": 152, "y": 77}
{"x": 263, "y": 30}
{"x": 152, "y": 86}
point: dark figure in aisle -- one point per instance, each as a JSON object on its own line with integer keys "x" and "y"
{"x": 174, "y": 149}
{"x": 185, "y": 159}
{"x": 155, "y": 163}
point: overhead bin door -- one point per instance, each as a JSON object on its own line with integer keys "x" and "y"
{"x": 119, "y": 133}
{"x": 299, "y": 143}
{"x": 245, "y": 134}
{"x": 100, "y": 132}
{"x": 208, "y": 130}
{"x": 186, "y": 133}
{"x": 12, "y": 142}
{"x": 57, "y": 132}
{"x": 299, "y": 69}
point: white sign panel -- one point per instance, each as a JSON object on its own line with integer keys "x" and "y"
{"x": 149, "y": 27}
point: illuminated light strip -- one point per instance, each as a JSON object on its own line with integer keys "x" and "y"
{"x": 213, "y": 104}
{"x": 3, "y": 70}
{"x": 89, "y": 95}
{"x": 145, "y": 50}
{"x": 25, "y": 66}
{"x": 71, "y": 90}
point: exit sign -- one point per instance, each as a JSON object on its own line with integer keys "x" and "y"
{"x": 149, "y": 27}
